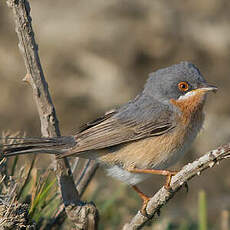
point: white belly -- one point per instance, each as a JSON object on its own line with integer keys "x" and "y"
{"x": 126, "y": 176}
{"x": 162, "y": 162}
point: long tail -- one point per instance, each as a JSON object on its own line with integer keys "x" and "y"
{"x": 18, "y": 146}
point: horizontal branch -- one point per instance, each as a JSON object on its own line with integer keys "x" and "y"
{"x": 186, "y": 173}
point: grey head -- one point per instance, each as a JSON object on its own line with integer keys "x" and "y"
{"x": 175, "y": 81}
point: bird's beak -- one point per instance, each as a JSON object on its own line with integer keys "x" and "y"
{"x": 206, "y": 87}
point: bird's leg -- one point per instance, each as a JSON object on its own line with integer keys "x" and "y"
{"x": 144, "y": 198}
{"x": 167, "y": 173}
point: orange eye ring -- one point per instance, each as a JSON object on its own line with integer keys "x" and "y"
{"x": 183, "y": 86}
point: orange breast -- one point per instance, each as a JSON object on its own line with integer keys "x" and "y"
{"x": 191, "y": 107}
{"x": 162, "y": 151}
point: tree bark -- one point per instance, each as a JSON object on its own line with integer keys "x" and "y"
{"x": 83, "y": 215}
{"x": 189, "y": 171}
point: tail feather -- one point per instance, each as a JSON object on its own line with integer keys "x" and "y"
{"x": 54, "y": 145}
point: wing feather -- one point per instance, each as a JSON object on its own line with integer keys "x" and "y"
{"x": 121, "y": 126}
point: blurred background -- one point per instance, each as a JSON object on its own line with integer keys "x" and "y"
{"x": 97, "y": 55}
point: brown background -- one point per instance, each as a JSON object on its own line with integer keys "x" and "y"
{"x": 97, "y": 55}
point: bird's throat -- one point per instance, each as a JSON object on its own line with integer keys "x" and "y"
{"x": 191, "y": 105}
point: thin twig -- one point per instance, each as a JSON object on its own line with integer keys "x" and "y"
{"x": 83, "y": 180}
{"x": 35, "y": 76}
{"x": 87, "y": 174}
{"x": 46, "y": 110}
{"x": 186, "y": 173}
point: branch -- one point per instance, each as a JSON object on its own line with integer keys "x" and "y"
{"x": 87, "y": 174}
{"x": 83, "y": 180}
{"x": 49, "y": 122}
{"x": 186, "y": 173}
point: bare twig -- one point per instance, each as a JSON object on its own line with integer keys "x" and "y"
{"x": 87, "y": 174}
{"x": 35, "y": 76}
{"x": 83, "y": 180}
{"x": 186, "y": 173}
{"x": 46, "y": 110}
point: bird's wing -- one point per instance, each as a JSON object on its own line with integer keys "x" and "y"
{"x": 124, "y": 125}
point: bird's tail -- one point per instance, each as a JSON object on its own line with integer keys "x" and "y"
{"x": 12, "y": 146}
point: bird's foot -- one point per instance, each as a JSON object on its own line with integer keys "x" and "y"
{"x": 144, "y": 205}
{"x": 145, "y": 199}
{"x": 169, "y": 175}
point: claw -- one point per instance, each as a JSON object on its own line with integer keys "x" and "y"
{"x": 144, "y": 206}
{"x": 158, "y": 212}
{"x": 168, "y": 174}
{"x": 145, "y": 201}
{"x": 186, "y": 186}
{"x": 168, "y": 179}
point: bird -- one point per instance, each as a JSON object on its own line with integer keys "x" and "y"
{"x": 145, "y": 136}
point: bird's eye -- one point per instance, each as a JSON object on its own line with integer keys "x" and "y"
{"x": 183, "y": 86}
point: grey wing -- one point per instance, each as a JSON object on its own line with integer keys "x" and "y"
{"x": 130, "y": 123}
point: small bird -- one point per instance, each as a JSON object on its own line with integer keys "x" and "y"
{"x": 145, "y": 136}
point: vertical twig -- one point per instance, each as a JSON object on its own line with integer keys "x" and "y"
{"x": 86, "y": 176}
{"x": 82, "y": 182}
{"x": 46, "y": 110}
{"x": 35, "y": 76}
